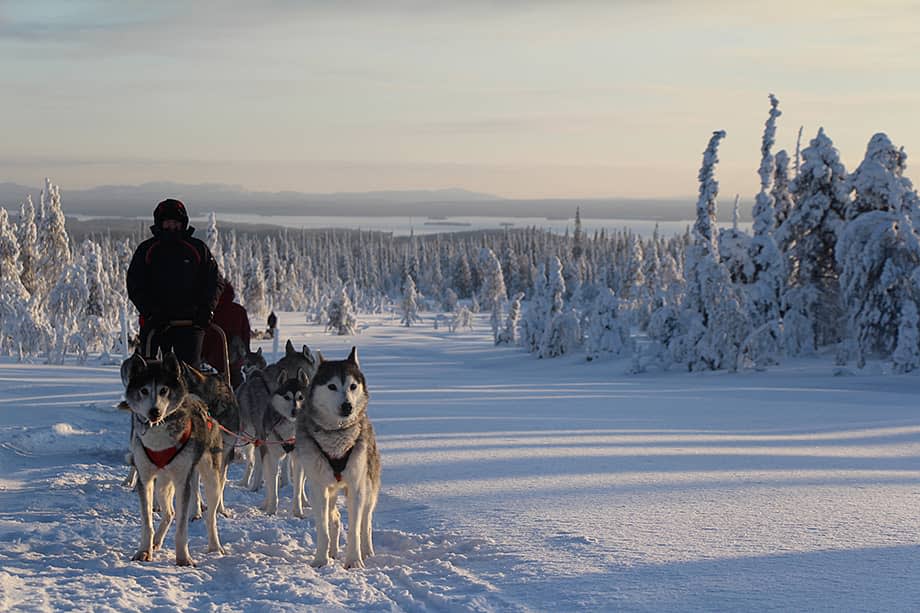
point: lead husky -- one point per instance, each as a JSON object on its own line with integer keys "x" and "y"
{"x": 172, "y": 436}
{"x": 336, "y": 450}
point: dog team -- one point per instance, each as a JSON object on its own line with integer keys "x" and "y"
{"x": 303, "y": 415}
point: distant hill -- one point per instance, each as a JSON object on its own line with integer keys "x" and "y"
{"x": 139, "y": 200}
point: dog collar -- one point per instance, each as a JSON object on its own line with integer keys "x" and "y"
{"x": 162, "y": 457}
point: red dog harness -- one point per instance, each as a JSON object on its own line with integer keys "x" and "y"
{"x": 162, "y": 457}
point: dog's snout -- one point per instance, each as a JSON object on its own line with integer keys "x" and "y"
{"x": 346, "y": 409}
{"x": 154, "y": 414}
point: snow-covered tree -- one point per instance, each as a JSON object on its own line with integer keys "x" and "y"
{"x": 562, "y": 331}
{"x": 712, "y": 321}
{"x": 492, "y": 291}
{"x": 65, "y": 304}
{"x": 510, "y": 334}
{"x": 906, "y": 355}
{"x": 53, "y": 240}
{"x": 341, "y": 313}
{"x": 254, "y": 298}
{"x": 607, "y": 332}
{"x": 808, "y": 236}
{"x": 27, "y": 235}
{"x": 96, "y": 322}
{"x": 450, "y": 300}
{"x": 213, "y": 241}
{"x": 462, "y": 318}
{"x": 578, "y": 238}
{"x": 879, "y": 253}
{"x": 409, "y": 305}
{"x": 764, "y": 275}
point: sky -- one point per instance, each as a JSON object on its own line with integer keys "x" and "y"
{"x": 520, "y": 99}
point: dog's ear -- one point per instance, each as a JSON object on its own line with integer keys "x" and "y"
{"x": 353, "y": 357}
{"x": 259, "y": 351}
{"x": 306, "y": 352}
{"x": 131, "y": 367}
{"x": 289, "y": 348}
{"x": 302, "y": 377}
{"x": 319, "y": 357}
{"x": 192, "y": 374}
{"x": 282, "y": 377}
{"x": 171, "y": 364}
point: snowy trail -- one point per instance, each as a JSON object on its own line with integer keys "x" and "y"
{"x": 509, "y": 484}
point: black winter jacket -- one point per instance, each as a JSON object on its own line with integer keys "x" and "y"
{"x": 173, "y": 276}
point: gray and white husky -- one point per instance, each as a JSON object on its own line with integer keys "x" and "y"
{"x": 336, "y": 450}
{"x": 254, "y": 396}
{"x": 172, "y": 435}
{"x": 276, "y": 430}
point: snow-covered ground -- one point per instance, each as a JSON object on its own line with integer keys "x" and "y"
{"x": 510, "y": 483}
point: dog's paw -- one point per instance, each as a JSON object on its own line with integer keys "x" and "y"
{"x": 356, "y": 563}
{"x": 185, "y": 561}
{"x": 319, "y": 561}
{"x": 218, "y": 550}
{"x": 143, "y": 555}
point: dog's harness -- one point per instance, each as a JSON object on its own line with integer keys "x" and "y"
{"x": 163, "y": 457}
{"x": 339, "y": 464}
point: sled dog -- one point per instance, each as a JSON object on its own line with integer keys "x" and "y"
{"x": 336, "y": 450}
{"x": 254, "y": 396}
{"x": 252, "y": 360}
{"x": 212, "y": 388}
{"x": 172, "y": 436}
{"x": 276, "y": 429}
{"x": 291, "y": 362}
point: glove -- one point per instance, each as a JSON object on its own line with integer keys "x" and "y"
{"x": 203, "y": 319}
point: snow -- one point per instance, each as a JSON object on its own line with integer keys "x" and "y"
{"x": 509, "y": 483}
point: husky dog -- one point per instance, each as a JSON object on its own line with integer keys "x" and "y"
{"x": 212, "y": 388}
{"x": 252, "y": 360}
{"x": 172, "y": 436}
{"x": 336, "y": 450}
{"x": 276, "y": 429}
{"x": 254, "y": 396}
{"x": 291, "y": 362}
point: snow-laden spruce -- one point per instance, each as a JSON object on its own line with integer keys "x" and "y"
{"x": 342, "y": 319}
{"x": 712, "y": 322}
{"x": 409, "y": 306}
{"x": 562, "y": 329}
{"x": 492, "y": 291}
{"x": 764, "y": 272}
{"x": 811, "y": 298}
{"x": 879, "y": 254}
{"x": 53, "y": 240}
{"x": 607, "y": 333}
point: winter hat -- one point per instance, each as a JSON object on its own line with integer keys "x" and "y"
{"x": 170, "y": 209}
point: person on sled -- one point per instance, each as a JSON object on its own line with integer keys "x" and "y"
{"x": 234, "y": 321}
{"x": 174, "y": 283}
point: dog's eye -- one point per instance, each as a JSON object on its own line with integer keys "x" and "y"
{"x": 299, "y": 397}
{"x": 354, "y": 386}
{"x": 144, "y": 391}
{"x": 164, "y": 391}
{"x": 332, "y": 387}
{"x": 288, "y": 397}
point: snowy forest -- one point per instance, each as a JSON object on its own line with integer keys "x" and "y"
{"x": 832, "y": 266}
